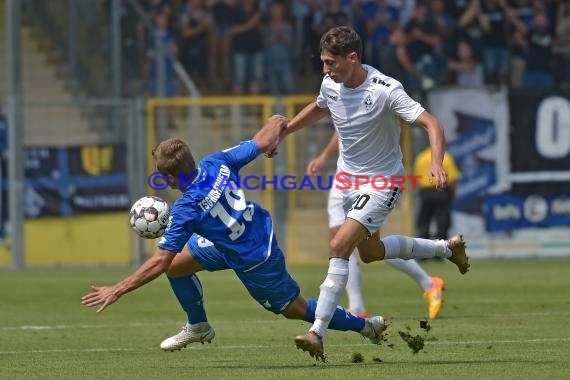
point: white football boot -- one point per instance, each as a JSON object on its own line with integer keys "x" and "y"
{"x": 374, "y": 329}
{"x": 202, "y": 332}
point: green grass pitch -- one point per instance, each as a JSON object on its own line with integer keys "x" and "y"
{"x": 503, "y": 320}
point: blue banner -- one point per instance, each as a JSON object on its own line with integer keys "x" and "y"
{"x": 507, "y": 212}
{"x": 474, "y": 135}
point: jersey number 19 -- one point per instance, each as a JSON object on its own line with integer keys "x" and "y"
{"x": 236, "y": 200}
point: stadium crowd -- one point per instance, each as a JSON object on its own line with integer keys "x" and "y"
{"x": 268, "y": 46}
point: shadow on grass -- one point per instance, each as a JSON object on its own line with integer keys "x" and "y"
{"x": 305, "y": 365}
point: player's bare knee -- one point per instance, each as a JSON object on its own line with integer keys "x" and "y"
{"x": 173, "y": 273}
{"x": 339, "y": 248}
{"x": 178, "y": 271}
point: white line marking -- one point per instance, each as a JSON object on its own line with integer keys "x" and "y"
{"x": 122, "y": 325}
{"x": 167, "y": 323}
{"x": 36, "y": 327}
{"x": 242, "y": 347}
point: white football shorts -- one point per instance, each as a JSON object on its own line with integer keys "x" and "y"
{"x": 367, "y": 205}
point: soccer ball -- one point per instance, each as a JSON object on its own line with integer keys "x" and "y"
{"x": 149, "y": 217}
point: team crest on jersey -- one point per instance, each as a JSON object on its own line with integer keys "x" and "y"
{"x": 368, "y": 103}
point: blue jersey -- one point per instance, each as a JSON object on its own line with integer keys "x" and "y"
{"x": 214, "y": 207}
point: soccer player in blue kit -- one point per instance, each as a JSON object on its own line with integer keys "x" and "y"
{"x": 213, "y": 227}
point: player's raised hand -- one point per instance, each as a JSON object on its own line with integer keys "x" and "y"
{"x": 314, "y": 167}
{"x": 438, "y": 175}
{"x": 104, "y": 296}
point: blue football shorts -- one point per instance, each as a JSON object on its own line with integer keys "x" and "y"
{"x": 269, "y": 283}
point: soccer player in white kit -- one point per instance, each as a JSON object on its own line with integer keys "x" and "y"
{"x": 431, "y": 285}
{"x": 364, "y": 105}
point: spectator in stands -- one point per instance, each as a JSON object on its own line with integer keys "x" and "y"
{"x": 247, "y": 47}
{"x": 195, "y": 29}
{"x": 396, "y": 62}
{"x": 158, "y": 7}
{"x": 469, "y": 27}
{"x": 333, "y": 16}
{"x": 467, "y": 69}
{"x": 423, "y": 37}
{"x": 170, "y": 49}
{"x": 562, "y": 43}
{"x": 446, "y": 26}
{"x": 357, "y": 14}
{"x": 381, "y": 19}
{"x": 278, "y": 38}
{"x": 309, "y": 14}
{"x": 538, "y": 43}
{"x": 524, "y": 11}
{"x": 220, "y": 42}
{"x": 406, "y": 9}
{"x": 456, "y": 8}
{"x": 132, "y": 48}
{"x": 496, "y": 22}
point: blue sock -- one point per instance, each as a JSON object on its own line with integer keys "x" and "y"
{"x": 342, "y": 320}
{"x": 188, "y": 290}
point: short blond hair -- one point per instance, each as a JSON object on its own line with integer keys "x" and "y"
{"x": 173, "y": 156}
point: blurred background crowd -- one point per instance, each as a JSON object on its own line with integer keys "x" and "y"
{"x": 271, "y": 46}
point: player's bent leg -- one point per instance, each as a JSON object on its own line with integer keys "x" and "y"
{"x": 432, "y": 286}
{"x": 188, "y": 290}
{"x": 346, "y": 238}
{"x": 371, "y": 249}
{"x": 404, "y": 247}
{"x": 334, "y": 284}
{"x": 196, "y": 256}
{"x": 412, "y": 269}
{"x": 184, "y": 264}
{"x": 330, "y": 292}
{"x": 434, "y": 297}
{"x": 354, "y": 287}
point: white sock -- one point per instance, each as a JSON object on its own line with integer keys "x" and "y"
{"x": 404, "y": 247}
{"x": 354, "y": 285}
{"x": 331, "y": 290}
{"x": 412, "y": 269}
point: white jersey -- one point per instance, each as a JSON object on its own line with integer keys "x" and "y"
{"x": 366, "y": 119}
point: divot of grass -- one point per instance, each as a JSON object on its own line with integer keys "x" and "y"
{"x": 425, "y": 325}
{"x": 357, "y": 358}
{"x": 415, "y": 343}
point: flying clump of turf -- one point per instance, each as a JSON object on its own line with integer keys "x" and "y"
{"x": 415, "y": 342}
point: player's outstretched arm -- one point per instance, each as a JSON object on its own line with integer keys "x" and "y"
{"x": 314, "y": 167}
{"x": 151, "y": 269}
{"x": 308, "y": 115}
{"x": 437, "y": 145}
{"x": 268, "y": 137}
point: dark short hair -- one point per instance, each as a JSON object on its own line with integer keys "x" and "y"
{"x": 341, "y": 41}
